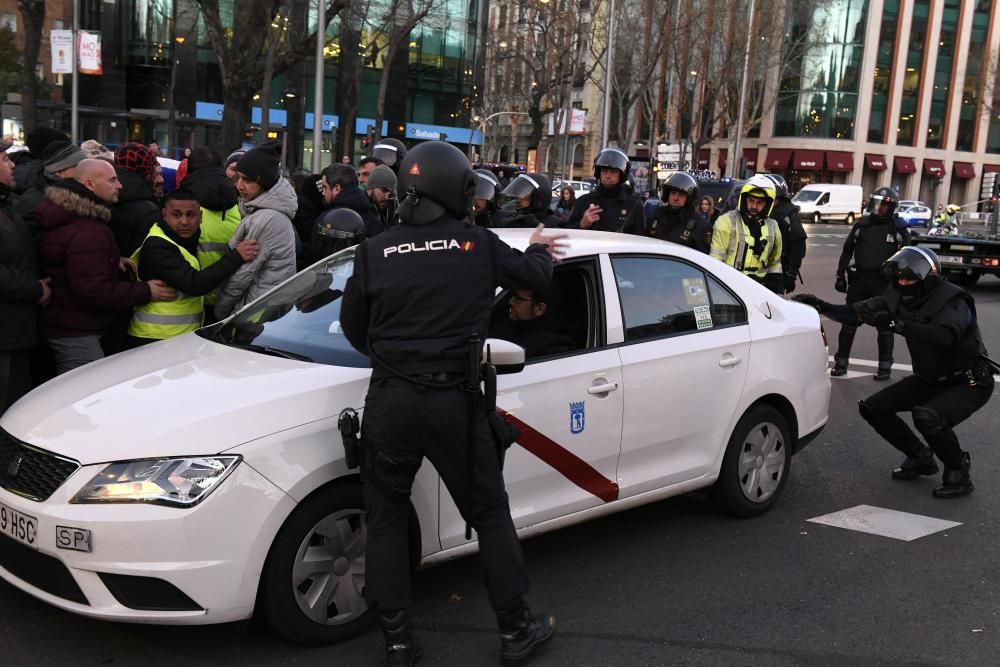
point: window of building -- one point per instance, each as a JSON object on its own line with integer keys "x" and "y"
{"x": 971, "y": 84}
{"x": 883, "y": 71}
{"x": 911, "y": 78}
{"x": 941, "y": 95}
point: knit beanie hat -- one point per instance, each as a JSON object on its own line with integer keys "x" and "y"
{"x": 60, "y": 155}
{"x": 95, "y": 149}
{"x": 233, "y": 157}
{"x": 137, "y": 159}
{"x": 262, "y": 164}
{"x": 381, "y": 177}
{"x": 39, "y": 138}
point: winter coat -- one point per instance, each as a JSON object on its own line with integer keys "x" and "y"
{"x": 268, "y": 221}
{"x": 30, "y": 198}
{"x": 78, "y": 252}
{"x": 19, "y": 286}
{"x": 311, "y": 206}
{"x": 212, "y": 188}
{"x": 27, "y": 171}
{"x": 135, "y": 212}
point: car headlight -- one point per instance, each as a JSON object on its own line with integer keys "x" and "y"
{"x": 182, "y": 482}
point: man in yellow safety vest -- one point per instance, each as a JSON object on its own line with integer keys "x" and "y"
{"x": 747, "y": 239}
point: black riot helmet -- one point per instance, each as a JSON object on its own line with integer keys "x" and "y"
{"x": 435, "y": 178}
{"x": 780, "y": 186}
{"x": 614, "y": 158}
{"x": 913, "y": 263}
{"x": 487, "y": 185}
{"x": 390, "y": 151}
{"x": 537, "y": 186}
{"x": 682, "y": 182}
{"x": 884, "y": 194}
{"x": 335, "y": 230}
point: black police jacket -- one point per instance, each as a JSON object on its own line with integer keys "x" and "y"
{"x": 529, "y": 218}
{"x": 419, "y": 293}
{"x": 941, "y": 331}
{"x": 872, "y": 240}
{"x": 793, "y": 235}
{"x": 620, "y": 211}
{"x": 683, "y": 227}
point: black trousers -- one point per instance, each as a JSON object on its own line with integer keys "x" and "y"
{"x": 403, "y": 423}
{"x": 859, "y": 288}
{"x": 15, "y": 377}
{"x": 937, "y": 408}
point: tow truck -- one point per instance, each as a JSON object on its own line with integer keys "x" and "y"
{"x": 968, "y": 248}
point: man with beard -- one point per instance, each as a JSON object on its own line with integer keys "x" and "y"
{"x": 675, "y": 219}
{"x": 748, "y": 239}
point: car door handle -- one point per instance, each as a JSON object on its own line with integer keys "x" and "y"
{"x": 602, "y": 388}
{"x": 726, "y": 362}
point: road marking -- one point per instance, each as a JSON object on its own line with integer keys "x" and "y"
{"x": 884, "y": 522}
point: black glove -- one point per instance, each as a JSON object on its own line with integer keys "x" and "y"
{"x": 812, "y": 301}
{"x": 774, "y": 282}
{"x": 874, "y": 311}
{"x": 840, "y": 284}
{"x": 790, "y": 282}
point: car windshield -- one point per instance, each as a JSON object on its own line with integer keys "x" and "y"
{"x": 903, "y": 208}
{"x": 299, "y": 320}
{"x": 807, "y": 195}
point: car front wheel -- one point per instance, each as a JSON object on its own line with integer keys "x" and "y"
{"x": 817, "y": 219}
{"x": 756, "y": 464}
{"x": 850, "y": 219}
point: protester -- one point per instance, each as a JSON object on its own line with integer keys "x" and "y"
{"x": 136, "y": 209}
{"x": 95, "y": 149}
{"x": 230, "y": 165}
{"x": 59, "y": 162}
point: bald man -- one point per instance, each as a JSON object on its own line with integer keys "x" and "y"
{"x": 88, "y": 278}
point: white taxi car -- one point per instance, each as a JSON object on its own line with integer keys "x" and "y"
{"x": 202, "y": 479}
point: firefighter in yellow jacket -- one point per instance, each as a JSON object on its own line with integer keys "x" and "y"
{"x": 747, "y": 239}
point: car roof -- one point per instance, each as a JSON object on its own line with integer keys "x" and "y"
{"x": 584, "y": 242}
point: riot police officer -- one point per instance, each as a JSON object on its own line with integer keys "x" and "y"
{"x": 872, "y": 240}
{"x": 533, "y": 193}
{"x": 748, "y": 239}
{"x": 952, "y": 377}
{"x": 339, "y": 228}
{"x": 609, "y": 207}
{"x": 413, "y": 312}
{"x": 675, "y": 219}
{"x": 391, "y": 152}
{"x": 793, "y": 235}
{"x": 485, "y": 211}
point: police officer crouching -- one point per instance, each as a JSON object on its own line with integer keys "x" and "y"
{"x": 952, "y": 377}
{"x": 416, "y": 314}
{"x": 676, "y": 220}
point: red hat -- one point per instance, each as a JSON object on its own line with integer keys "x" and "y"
{"x": 137, "y": 159}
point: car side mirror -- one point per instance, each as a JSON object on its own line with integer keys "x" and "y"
{"x": 506, "y": 357}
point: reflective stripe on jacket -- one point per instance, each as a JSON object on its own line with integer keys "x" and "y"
{"x": 213, "y": 241}
{"x": 159, "y": 320}
{"x": 730, "y": 245}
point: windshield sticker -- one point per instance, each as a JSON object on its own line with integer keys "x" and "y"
{"x": 695, "y": 292}
{"x": 576, "y": 417}
{"x": 703, "y": 317}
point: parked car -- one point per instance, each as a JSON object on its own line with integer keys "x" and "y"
{"x": 825, "y": 202}
{"x": 201, "y": 479}
{"x": 914, "y": 215}
{"x": 580, "y": 188}
{"x": 911, "y": 202}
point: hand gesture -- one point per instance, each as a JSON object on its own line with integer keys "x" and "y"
{"x": 46, "y": 292}
{"x": 555, "y": 241}
{"x": 591, "y": 216}
{"x": 160, "y": 291}
{"x": 248, "y": 250}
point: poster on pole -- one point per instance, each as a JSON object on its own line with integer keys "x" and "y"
{"x": 90, "y": 52}
{"x": 62, "y": 51}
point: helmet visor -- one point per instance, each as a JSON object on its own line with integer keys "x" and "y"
{"x": 613, "y": 158}
{"x": 486, "y": 187}
{"x": 522, "y": 186}
{"x": 910, "y": 263}
{"x": 387, "y": 153}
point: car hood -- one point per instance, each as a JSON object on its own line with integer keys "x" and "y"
{"x": 184, "y": 396}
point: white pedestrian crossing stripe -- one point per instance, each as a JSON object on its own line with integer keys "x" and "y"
{"x": 885, "y": 522}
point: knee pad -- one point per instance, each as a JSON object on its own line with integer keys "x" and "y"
{"x": 927, "y": 420}
{"x": 394, "y": 479}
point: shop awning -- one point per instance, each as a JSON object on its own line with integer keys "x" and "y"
{"x": 875, "y": 162}
{"x": 704, "y": 157}
{"x": 777, "y": 159}
{"x": 964, "y": 170}
{"x": 723, "y": 157}
{"x": 905, "y": 165}
{"x": 934, "y": 167}
{"x": 839, "y": 161}
{"x": 750, "y": 155}
{"x": 991, "y": 168}
{"x": 808, "y": 160}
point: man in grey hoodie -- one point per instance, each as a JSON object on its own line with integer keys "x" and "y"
{"x": 270, "y": 203}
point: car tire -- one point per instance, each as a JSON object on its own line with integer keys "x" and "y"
{"x": 313, "y": 605}
{"x": 850, "y": 219}
{"x": 756, "y": 464}
{"x": 817, "y": 219}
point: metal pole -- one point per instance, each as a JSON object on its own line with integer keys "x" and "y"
{"x": 607, "y": 73}
{"x": 318, "y": 87}
{"x": 75, "y": 99}
{"x": 736, "y": 160}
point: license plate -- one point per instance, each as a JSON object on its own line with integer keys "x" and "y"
{"x": 950, "y": 259}
{"x": 18, "y": 526}
{"x": 74, "y": 539}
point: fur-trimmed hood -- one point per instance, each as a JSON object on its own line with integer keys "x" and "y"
{"x": 76, "y": 202}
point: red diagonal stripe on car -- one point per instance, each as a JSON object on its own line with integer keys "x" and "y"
{"x": 569, "y": 465}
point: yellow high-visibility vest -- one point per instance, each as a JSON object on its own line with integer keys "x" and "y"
{"x": 729, "y": 245}
{"x": 160, "y": 320}
{"x": 213, "y": 242}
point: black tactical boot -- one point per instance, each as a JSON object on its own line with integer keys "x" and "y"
{"x": 956, "y": 481}
{"x": 883, "y": 372}
{"x": 915, "y": 465}
{"x": 402, "y": 648}
{"x": 521, "y": 633}
{"x": 839, "y": 367}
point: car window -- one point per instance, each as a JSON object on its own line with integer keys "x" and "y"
{"x": 806, "y": 196}
{"x": 825, "y": 199}
{"x": 300, "y": 319}
{"x": 663, "y": 296}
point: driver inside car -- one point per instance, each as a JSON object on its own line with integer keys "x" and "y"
{"x": 534, "y": 322}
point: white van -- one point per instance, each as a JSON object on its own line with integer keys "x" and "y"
{"x": 825, "y": 202}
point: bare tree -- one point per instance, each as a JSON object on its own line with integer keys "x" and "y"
{"x": 33, "y": 17}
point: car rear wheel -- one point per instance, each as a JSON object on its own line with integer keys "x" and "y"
{"x": 850, "y": 219}
{"x": 756, "y": 463}
{"x": 817, "y": 219}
